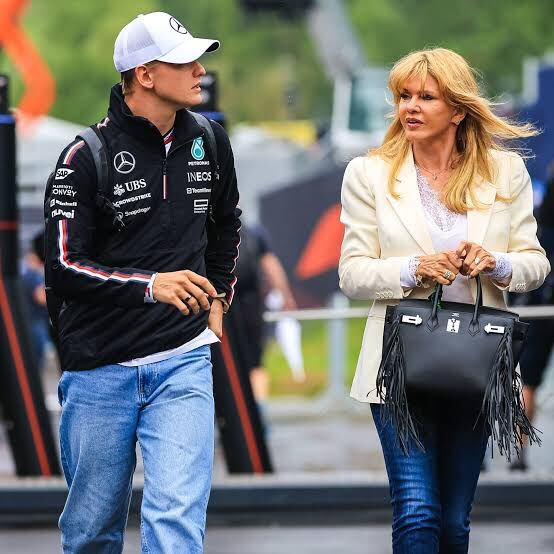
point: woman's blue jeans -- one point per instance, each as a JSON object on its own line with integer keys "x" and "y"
{"x": 168, "y": 407}
{"x": 432, "y": 492}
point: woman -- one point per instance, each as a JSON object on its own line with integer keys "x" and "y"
{"x": 440, "y": 201}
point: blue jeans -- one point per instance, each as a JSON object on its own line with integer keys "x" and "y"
{"x": 432, "y": 492}
{"x": 168, "y": 407}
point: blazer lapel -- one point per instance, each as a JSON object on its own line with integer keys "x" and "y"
{"x": 478, "y": 218}
{"x": 408, "y": 205}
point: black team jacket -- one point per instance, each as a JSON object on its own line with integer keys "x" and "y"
{"x": 178, "y": 214}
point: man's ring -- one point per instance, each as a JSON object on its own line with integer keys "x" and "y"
{"x": 447, "y": 274}
{"x": 477, "y": 260}
{"x": 187, "y": 298}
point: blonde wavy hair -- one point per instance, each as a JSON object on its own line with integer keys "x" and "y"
{"x": 479, "y": 133}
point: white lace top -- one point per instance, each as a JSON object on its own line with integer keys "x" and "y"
{"x": 447, "y": 230}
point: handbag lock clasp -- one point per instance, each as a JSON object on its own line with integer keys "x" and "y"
{"x": 413, "y": 319}
{"x": 494, "y": 329}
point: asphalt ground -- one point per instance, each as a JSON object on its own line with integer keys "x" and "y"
{"x": 325, "y": 440}
{"x": 489, "y": 538}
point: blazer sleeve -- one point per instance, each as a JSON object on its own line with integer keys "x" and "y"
{"x": 363, "y": 275}
{"x": 530, "y": 265}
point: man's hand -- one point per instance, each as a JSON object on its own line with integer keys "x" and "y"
{"x": 186, "y": 290}
{"x": 215, "y": 319}
{"x": 439, "y": 268}
{"x": 475, "y": 259}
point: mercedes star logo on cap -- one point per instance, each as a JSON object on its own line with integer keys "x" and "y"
{"x": 176, "y": 26}
{"x": 124, "y": 162}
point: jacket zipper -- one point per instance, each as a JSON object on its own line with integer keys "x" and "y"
{"x": 164, "y": 178}
{"x": 164, "y": 168}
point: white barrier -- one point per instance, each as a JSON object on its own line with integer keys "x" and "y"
{"x": 336, "y": 317}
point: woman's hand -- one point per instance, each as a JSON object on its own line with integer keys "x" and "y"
{"x": 439, "y": 268}
{"x": 475, "y": 259}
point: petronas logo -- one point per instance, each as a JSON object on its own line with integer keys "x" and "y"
{"x": 197, "y": 149}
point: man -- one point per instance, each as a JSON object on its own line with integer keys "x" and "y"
{"x": 32, "y": 277}
{"x": 258, "y": 270}
{"x": 142, "y": 303}
{"x": 535, "y": 359}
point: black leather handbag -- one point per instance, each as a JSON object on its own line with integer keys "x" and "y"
{"x": 458, "y": 351}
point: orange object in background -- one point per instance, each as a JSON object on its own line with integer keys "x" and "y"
{"x": 40, "y": 87}
{"x": 322, "y": 252}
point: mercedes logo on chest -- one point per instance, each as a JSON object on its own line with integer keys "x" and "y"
{"x": 176, "y": 26}
{"x": 124, "y": 162}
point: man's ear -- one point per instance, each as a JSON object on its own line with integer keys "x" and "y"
{"x": 143, "y": 76}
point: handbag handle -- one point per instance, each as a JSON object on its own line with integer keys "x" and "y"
{"x": 436, "y": 298}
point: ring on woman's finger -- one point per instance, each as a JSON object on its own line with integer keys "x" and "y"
{"x": 447, "y": 274}
{"x": 477, "y": 260}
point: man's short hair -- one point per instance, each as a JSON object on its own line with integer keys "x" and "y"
{"x": 127, "y": 81}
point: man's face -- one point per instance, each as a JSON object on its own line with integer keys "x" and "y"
{"x": 177, "y": 84}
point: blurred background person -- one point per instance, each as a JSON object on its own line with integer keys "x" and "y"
{"x": 540, "y": 339}
{"x": 258, "y": 271}
{"x": 33, "y": 284}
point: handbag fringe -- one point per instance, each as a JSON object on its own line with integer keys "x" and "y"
{"x": 503, "y": 407}
{"x": 391, "y": 389}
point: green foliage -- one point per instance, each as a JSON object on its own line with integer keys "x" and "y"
{"x": 316, "y": 360}
{"x": 76, "y": 41}
{"x": 494, "y": 35}
{"x": 264, "y": 61}
{"x": 260, "y": 59}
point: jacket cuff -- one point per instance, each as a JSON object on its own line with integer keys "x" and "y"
{"x": 149, "y": 292}
{"x": 222, "y": 297}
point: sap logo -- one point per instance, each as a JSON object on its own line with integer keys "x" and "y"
{"x": 62, "y": 173}
{"x": 201, "y": 206}
{"x": 199, "y": 176}
{"x": 129, "y": 186}
{"x": 68, "y": 215}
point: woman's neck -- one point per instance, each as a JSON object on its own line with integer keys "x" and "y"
{"x": 433, "y": 156}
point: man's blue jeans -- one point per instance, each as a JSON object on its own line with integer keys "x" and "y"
{"x": 432, "y": 492}
{"x": 168, "y": 407}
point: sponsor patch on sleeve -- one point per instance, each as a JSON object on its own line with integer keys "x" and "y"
{"x": 62, "y": 173}
{"x": 61, "y": 189}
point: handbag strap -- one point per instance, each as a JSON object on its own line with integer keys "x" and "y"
{"x": 437, "y": 295}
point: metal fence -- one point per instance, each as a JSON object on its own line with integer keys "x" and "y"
{"x": 339, "y": 312}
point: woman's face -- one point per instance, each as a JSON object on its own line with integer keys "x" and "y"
{"x": 424, "y": 114}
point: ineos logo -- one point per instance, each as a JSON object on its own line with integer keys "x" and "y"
{"x": 176, "y": 26}
{"x": 124, "y": 162}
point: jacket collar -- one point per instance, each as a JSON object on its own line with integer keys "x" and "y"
{"x": 409, "y": 208}
{"x": 185, "y": 128}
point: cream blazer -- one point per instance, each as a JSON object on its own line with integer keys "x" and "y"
{"x": 381, "y": 231}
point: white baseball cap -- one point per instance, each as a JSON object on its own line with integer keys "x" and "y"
{"x": 157, "y": 36}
